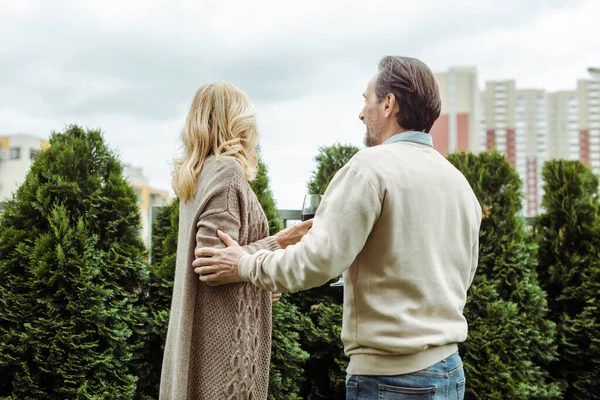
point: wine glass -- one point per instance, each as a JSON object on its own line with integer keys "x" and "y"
{"x": 309, "y": 208}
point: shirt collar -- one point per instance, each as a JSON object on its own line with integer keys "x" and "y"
{"x": 411, "y": 136}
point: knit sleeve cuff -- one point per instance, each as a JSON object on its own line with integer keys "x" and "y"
{"x": 244, "y": 265}
{"x": 271, "y": 243}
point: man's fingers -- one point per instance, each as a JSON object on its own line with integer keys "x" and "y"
{"x": 204, "y": 262}
{"x": 228, "y": 240}
{"x": 209, "y": 280}
{"x": 206, "y": 270}
{"x": 205, "y": 252}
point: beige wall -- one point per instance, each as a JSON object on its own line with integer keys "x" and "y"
{"x": 562, "y": 122}
{"x": 465, "y": 80}
{"x": 4, "y": 142}
{"x": 583, "y": 100}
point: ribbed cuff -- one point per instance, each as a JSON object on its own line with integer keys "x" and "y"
{"x": 272, "y": 243}
{"x": 244, "y": 265}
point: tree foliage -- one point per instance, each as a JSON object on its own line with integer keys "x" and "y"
{"x": 568, "y": 235}
{"x": 71, "y": 274}
{"x": 511, "y": 339}
{"x": 325, "y": 370}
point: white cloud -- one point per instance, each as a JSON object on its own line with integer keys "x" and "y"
{"x": 132, "y": 67}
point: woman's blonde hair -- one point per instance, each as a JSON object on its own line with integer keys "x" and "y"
{"x": 221, "y": 121}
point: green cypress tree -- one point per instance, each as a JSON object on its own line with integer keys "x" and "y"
{"x": 568, "y": 234}
{"x": 160, "y": 289}
{"x": 287, "y": 357}
{"x": 511, "y": 339}
{"x": 325, "y": 369}
{"x": 329, "y": 161}
{"x": 71, "y": 273}
{"x": 263, "y": 192}
{"x": 164, "y": 232}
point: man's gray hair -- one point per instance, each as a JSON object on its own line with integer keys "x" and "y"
{"x": 416, "y": 91}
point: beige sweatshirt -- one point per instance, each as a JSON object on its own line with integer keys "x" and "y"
{"x": 402, "y": 224}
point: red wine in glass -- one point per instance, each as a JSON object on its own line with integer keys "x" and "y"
{"x": 309, "y": 208}
{"x": 306, "y": 217}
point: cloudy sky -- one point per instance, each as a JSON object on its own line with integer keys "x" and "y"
{"x": 131, "y": 67}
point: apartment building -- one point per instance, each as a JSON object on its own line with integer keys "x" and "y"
{"x": 458, "y": 127}
{"x": 149, "y": 200}
{"x": 17, "y": 153}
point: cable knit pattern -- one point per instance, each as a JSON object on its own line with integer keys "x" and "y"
{"x": 219, "y": 339}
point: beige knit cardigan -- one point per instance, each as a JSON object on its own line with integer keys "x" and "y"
{"x": 219, "y": 338}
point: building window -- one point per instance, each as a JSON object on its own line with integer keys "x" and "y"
{"x": 15, "y": 153}
{"x": 34, "y": 154}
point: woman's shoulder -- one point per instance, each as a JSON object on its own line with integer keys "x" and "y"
{"x": 222, "y": 168}
{"x": 221, "y": 182}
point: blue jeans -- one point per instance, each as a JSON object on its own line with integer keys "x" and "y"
{"x": 442, "y": 381}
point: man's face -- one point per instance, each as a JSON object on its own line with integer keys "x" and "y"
{"x": 372, "y": 116}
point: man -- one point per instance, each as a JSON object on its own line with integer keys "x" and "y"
{"x": 402, "y": 224}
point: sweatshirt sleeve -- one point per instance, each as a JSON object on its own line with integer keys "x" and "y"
{"x": 475, "y": 248}
{"x": 350, "y": 207}
{"x": 474, "y": 261}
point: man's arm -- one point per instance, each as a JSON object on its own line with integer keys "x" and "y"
{"x": 206, "y": 233}
{"x": 229, "y": 222}
{"x": 344, "y": 220}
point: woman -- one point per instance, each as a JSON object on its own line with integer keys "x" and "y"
{"x": 219, "y": 339}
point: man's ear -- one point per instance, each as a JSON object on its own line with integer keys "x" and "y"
{"x": 390, "y": 106}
